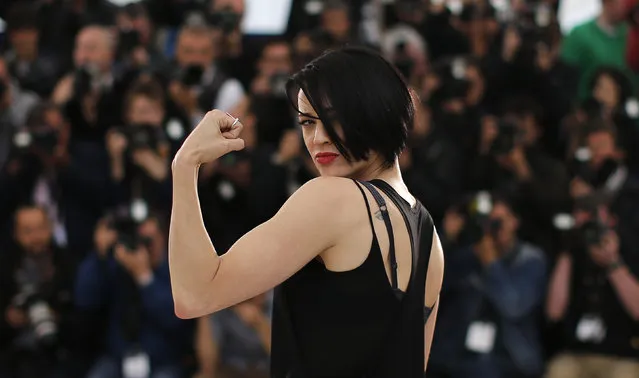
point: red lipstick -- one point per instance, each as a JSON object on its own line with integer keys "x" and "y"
{"x": 325, "y": 158}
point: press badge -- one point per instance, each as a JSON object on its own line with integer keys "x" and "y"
{"x": 136, "y": 365}
{"x": 481, "y": 337}
{"x": 591, "y": 328}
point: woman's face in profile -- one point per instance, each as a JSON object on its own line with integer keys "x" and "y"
{"x": 326, "y": 157}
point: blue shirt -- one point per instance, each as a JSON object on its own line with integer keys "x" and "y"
{"x": 512, "y": 288}
{"x": 162, "y": 335}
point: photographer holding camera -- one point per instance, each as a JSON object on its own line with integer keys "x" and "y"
{"x": 64, "y": 177}
{"x": 274, "y": 67}
{"x": 491, "y": 298}
{"x": 594, "y": 289}
{"x": 594, "y": 292}
{"x": 126, "y": 279}
{"x": 15, "y": 105}
{"x": 36, "y": 279}
{"x": 511, "y": 161}
{"x": 91, "y": 95}
{"x": 198, "y": 84}
{"x": 139, "y": 152}
{"x": 136, "y": 49}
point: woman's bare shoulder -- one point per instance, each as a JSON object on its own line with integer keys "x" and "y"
{"x": 335, "y": 189}
{"x": 332, "y": 196}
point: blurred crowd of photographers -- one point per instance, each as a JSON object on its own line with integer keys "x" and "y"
{"x": 525, "y": 149}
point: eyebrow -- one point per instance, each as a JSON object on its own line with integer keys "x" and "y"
{"x": 301, "y": 114}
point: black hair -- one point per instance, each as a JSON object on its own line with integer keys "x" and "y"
{"x": 22, "y": 16}
{"x": 135, "y": 10}
{"x": 522, "y": 106}
{"x": 618, "y": 77}
{"x": 503, "y": 198}
{"x": 357, "y": 89}
{"x": 599, "y": 125}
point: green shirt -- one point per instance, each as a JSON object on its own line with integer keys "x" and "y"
{"x": 588, "y": 47}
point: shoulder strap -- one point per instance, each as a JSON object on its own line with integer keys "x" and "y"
{"x": 368, "y": 206}
{"x": 389, "y": 227}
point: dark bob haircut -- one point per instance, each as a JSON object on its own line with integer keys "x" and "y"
{"x": 357, "y": 89}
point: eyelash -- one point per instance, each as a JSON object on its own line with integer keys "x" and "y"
{"x": 306, "y": 122}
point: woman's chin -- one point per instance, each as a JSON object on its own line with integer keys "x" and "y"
{"x": 327, "y": 171}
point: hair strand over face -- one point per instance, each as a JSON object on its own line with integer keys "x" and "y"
{"x": 358, "y": 90}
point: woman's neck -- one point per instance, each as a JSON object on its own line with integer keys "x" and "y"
{"x": 377, "y": 170}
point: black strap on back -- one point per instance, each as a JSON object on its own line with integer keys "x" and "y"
{"x": 389, "y": 227}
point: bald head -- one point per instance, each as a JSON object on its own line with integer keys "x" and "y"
{"x": 94, "y": 45}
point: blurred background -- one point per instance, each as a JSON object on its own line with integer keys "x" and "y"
{"x": 525, "y": 149}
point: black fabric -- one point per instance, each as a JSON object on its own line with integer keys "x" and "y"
{"x": 389, "y": 228}
{"x": 351, "y": 324}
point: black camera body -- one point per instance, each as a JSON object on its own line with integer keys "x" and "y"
{"x": 142, "y": 136}
{"x": 128, "y": 40}
{"x": 478, "y": 225}
{"x": 191, "y": 75}
{"x": 478, "y": 221}
{"x": 42, "y": 139}
{"x": 127, "y": 229}
{"x": 39, "y": 313}
{"x": 593, "y": 231}
{"x": 83, "y": 78}
{"x": 508, "y": 136}
{"x": 226, "y": 19}
{"x": 596, "y": 177}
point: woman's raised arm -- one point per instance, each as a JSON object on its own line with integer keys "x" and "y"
{"x": 311, "y": 221}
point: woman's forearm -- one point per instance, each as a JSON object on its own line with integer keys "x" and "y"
{"x": 193, "y": 260}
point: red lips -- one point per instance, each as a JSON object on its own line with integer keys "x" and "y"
{"x": 325, "y": 157}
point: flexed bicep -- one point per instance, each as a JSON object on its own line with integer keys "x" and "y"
{"x": 310, "y": 222}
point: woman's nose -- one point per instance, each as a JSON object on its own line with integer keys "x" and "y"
{"x": 321, "y": 137}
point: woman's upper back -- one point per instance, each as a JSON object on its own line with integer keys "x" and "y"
{"x": 351, "y": 315}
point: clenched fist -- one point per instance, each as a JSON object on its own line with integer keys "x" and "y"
{"x": 215, "y": 136}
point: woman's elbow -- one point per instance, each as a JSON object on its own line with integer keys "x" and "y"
{"x": 192, "y": 307}
{"x": 182, "y": 311}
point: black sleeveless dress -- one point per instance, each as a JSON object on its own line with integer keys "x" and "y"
{"x": 356, "y": 324}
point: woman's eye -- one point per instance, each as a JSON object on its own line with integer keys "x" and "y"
{"x": 306, "y": 122}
